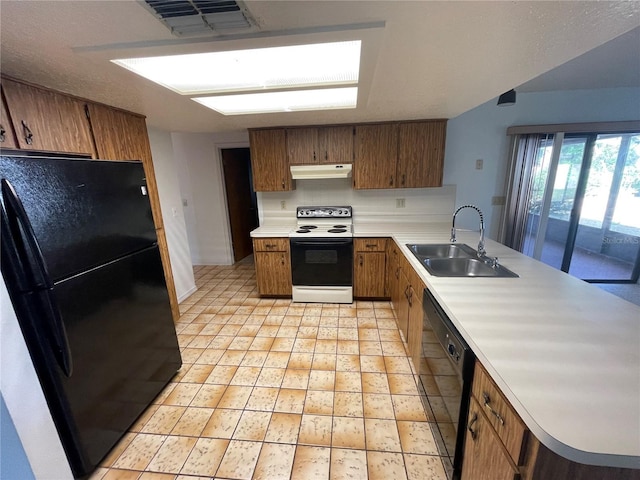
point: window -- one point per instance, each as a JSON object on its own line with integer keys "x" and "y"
{"x": 574, "y": 200}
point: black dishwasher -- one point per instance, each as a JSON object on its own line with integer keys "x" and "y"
{"x": 446, "y": 385}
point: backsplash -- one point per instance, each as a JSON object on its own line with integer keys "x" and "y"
{"x": 420, "y": 204}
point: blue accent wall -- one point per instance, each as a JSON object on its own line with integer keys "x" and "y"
{"x": 13, "y": 459}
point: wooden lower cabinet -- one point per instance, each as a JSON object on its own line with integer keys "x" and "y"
{"x": 498, "y": 444}
{"x": 414, "y": 324}
{"x": 273, "y": 266}
{"x": 369, "y": 267}
{"x": 484, "y": 457}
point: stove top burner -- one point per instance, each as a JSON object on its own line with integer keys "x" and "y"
{"x": 339, "y": 226}
{"x": 303, "y": 230}
{"x": 308, "y": 227}
{"x": 336, "y": 230}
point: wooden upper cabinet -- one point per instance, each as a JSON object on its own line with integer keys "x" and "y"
{"x": 376, "y": 153}
{"x": 269, "y": 164}
{"x": 7, "y": 135}
{"x": 421, "y": 154}
{"x": 302, "y": 146}
{"x": 119, "y": 135}
{"x": 47, "y": 121}
{"x": 335, "y": 144}
{"x": 320, "y": 145}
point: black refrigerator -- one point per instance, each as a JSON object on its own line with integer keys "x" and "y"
{"x": 81, "y": 263}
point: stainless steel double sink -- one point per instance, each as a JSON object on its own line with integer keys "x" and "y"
{"x": 457, "y": 260}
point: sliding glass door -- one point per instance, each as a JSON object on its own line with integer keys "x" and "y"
{"x": 578, "y": 204}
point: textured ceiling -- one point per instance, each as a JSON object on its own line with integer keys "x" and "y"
{"x": 421, "y": 59}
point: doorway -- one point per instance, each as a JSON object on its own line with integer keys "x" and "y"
{"x": 580, "y": 205}
{"x": 241, "y": 200}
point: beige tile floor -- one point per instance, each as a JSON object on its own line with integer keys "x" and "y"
{"x": 274, "y": 390}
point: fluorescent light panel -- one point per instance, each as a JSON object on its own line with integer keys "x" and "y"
{"x": 321, "y": 64}
{"x": 290, "y": 101}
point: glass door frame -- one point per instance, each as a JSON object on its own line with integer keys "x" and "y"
{"x": 520, "y": 179}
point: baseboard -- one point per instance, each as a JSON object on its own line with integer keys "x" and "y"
{"x": 187, "y": 294}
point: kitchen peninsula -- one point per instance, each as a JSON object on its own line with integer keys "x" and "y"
{"x": 565, "y": 354}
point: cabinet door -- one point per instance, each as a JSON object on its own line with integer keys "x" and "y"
{"x": 402, "y": 311}
{"x": 47, "y": 121}
{"x": 273, "y": 273}
{"x": 302, "y": 146}
{"x": 376, "y": 148}
{"x": 119, "y": 135}
{"x": 484, "y": 457}
{"x": 369, "y": 273}
{"x": 269, "y": 161}
{"x": 414, "y": 328}
{"x": 335, "y": 144}
{"x": 7, "y": 135}
{"x": 421, "y": 154}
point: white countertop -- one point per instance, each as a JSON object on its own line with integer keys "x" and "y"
{"x": 565, "y": 353}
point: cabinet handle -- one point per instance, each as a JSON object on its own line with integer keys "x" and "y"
{"x": 326, "y": 155}
{"x": 314, "y": 156}
{"x": 369, "y": 245}
{"x": 473, "y": 433}
{"x": 28, "y": 135}
{"x": 2, "y": 134}
{"x": 283, "y": 184}
{"x": 487, "y": 405}
{"x": 270, "y": 245}
{"x": 391, "y": 181}
{"x": 282, "y": 259}
{"x": 410, "y": 297}
{"x": 402, "y": 182}
{"x": 361, "y": 260}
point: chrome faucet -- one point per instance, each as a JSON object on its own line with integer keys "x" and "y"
{"x": 481, "y": 251}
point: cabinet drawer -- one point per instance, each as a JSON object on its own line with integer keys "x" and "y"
{"x": 370, "y": 244}
{"x": 506, "y": 422}
{"x": 270, "y": 244}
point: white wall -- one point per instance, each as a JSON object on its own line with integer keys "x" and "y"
{"x": 25, "y": 401}
{"x": 172, "y": 213}
{"x": 421, "y": 204}
{"x": 481, "y": 134}
{"x": 197, "y": 158}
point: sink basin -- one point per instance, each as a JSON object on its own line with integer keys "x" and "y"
{"x": 464, "y": 267}
{"x": 442, "y": 250}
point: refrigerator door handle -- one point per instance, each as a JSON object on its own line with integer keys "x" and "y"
{"x": 14, "y": 208}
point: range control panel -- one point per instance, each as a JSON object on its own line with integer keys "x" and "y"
{"x": 324, "y": 212}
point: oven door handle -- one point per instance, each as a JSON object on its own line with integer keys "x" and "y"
{"x": 321, "y": 243}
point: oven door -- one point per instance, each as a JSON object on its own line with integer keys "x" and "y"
{"x": 322, "y": 262}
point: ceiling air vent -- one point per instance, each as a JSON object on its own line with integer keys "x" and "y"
{"x": 202, "y": 17}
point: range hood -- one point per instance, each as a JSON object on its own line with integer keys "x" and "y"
{"x": 309, "y": 172}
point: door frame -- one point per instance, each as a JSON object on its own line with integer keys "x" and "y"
{"x": 219, "y": 147}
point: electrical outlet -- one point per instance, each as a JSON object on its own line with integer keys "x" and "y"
{"x": 479, "y": 164}
{"x": 399, "y": 202}
{"x": 283, "y": 205}
{"x": 174, "y": 212}
{"x": 185, "y": 203}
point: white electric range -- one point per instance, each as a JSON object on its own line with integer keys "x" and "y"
{"x": 322, "y": 255}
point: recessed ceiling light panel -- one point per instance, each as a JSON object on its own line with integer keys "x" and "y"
{"x": 322, "y": 64}
{"x": 291, "y": 101}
